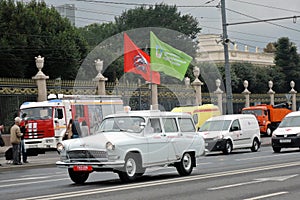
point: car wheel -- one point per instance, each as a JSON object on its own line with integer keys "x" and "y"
{"x": 132, "y": 168}
{"x": 78, "y": 177}
{"x": 276, "y": 149}
{"x": 228, "y": 147}
{"x": 269, "y": 131}
{"x": 255, "y": 145}
{"x": 185, "y": 166}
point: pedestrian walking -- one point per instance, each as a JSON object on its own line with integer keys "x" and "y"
{"x": 68, "y": 134}
{"x": 15, "y": 140}
{"x": 76, "y": 128}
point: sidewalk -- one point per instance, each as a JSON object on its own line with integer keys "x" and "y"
{"x": 42, "y": 160}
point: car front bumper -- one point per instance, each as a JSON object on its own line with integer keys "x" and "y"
{"x": 286, "y": 142}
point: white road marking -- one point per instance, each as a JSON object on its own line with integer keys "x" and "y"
{"x": 268, "y": 195}
{"x": 259, "y": 180}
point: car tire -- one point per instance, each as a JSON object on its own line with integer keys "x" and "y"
{"x": 78, "y": 177}
{"x": 277, "y": 149}
{"x": 228, "y": 147}
{"x": 255, "y": 145}
{"x": 132, "y": 168}
{"x": 185, "y": 166}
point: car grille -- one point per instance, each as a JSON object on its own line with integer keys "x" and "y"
{"x": 290, "y": 135}
{"x": 87, "y": 155}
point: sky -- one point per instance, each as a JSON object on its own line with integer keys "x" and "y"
{"x": 251, "y": 34}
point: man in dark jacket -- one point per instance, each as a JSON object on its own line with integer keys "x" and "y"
{"x": 76, "y": 128}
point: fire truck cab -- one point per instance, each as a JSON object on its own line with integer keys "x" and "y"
{"x": 46, "y": 121}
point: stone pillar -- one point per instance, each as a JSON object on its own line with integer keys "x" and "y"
{"x": 100, "y": 79}
{"x": 154, "y": 99}
{"x": 187, "y": 83}
{"x": 247, "y": 93}
{"x": 197, "y": 85}
{"x": 219, "y": 94}
{"x": 293, "y": 92}
{"x": 40, "y": 79}
{"x": 271, "y": 92}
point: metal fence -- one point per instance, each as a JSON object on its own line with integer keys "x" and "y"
{"x": 13, "y": 92}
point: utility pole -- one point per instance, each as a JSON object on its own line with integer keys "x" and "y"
{"x": 226, "y": 42}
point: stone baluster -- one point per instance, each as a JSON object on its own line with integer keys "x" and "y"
{"x": 271, "y": 92}
{"x": 197, "y": 85}
{"x": 100, "y": 79}
{"x": 293, "y": 92}
{"x": 40, "y": 79}
{"x": 247, "y": 93}
{"x": 219, "y": 94}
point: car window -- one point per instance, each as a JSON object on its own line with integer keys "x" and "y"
{"x": 154, "y": 123}
{"x": 186, "y": 125}
{"x": 235, "y": 125}
{"x": 170, "y": 125}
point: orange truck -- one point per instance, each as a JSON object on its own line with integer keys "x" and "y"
{"x": 268, "y": 116}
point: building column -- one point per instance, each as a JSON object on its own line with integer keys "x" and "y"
{"x": 271, "y": 93}
{"x": 293, "y": 92}
{"x": 197, "y": 86}
{"x": 100, "y": 79}
{"x": 247, "y": 93}
{"x": 219, "y": 94}
{"x": 40, "y": 79}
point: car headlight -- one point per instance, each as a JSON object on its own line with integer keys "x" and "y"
{"x": 60, "y": 147}
{"x": 298, "y": 134}
{"x": 110, "y": 146}
{"x": 274, "y": 135}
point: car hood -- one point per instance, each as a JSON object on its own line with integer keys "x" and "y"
{"x": 287, "y": 130}
{"x": 99, "y": 140}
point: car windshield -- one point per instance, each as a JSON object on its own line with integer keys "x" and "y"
{"x": 293, "y": 121}
{"x": 36, "y": 113}
{"x": 254, "y": 112}
{"x": 216, "y": 125}
{"x": 120, "y": 124}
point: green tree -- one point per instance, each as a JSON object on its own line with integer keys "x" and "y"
{"x": 288, "y": 61}
{"x": 29, "y": 30}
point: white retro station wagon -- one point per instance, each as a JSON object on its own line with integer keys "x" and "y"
{"x": 127, "y": 143}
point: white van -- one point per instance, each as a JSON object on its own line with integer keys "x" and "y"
{"x": 287, "y": 135}
{"x": 228, "y": 132}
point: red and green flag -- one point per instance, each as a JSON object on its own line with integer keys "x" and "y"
{"x": 167, "y": 59}
{"x": 138, "y": 61}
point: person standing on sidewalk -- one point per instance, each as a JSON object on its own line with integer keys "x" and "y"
{"x": 23, "y": 148}
{"x": 15, "y": 140}
{"x": 1, "y": 139}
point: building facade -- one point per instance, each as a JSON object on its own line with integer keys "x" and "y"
{"x": 210, "y": 49}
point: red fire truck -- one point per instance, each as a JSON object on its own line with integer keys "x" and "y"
{"x": 46, "y": 121}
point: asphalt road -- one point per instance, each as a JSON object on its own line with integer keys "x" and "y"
{"x": 241, "y": 175}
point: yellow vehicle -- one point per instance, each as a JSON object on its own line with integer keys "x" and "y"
{"x": 200, "y": 113}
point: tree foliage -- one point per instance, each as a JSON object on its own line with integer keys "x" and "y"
{"x": 32, "y": 29}
{"x": 288, "y": 61}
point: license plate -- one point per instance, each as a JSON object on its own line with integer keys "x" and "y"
{"x": 82, "y": 168}
{"x": 285, "y": 140}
